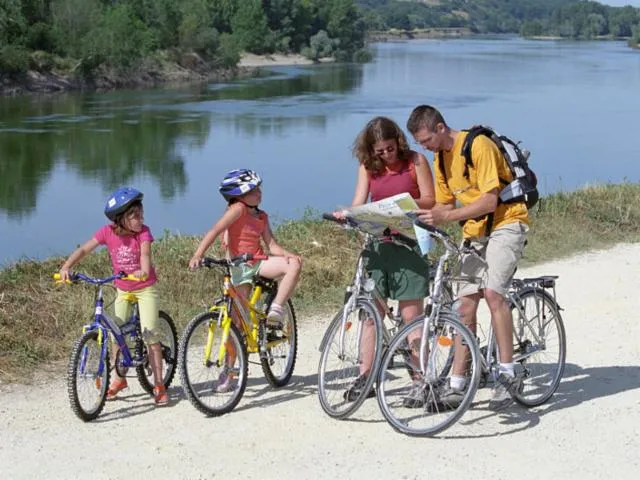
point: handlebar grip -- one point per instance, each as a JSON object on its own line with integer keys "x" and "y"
{"x": 57, "y": 278}
{"x": 332, "y": 218}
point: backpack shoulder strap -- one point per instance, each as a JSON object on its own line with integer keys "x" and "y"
{"x": 468, "y": 141}
{"x": 441, "y": 167}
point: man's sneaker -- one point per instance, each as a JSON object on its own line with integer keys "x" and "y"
{"x": 224, "y": 383}
{"x": 417, "y": 396}
{"x": 354, "y": 391}
{"x": 503, "y": 391}
{"x": 447, "y": 399}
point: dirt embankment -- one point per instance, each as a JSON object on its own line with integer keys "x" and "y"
{"x": 189, "y": 69}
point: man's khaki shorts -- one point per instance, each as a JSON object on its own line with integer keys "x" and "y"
{"x": 502, "y": 251}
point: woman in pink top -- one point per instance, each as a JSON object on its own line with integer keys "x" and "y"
{"x": 128, "y": 241}
{"x": 389, "y": 167}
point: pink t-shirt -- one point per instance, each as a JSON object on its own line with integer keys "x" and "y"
{"x": 124, "y": 251}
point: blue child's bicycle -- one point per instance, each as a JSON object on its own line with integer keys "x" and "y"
{"x": 89, "y": 364}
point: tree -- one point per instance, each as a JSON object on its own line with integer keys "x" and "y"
{"x": 12, "y": 22}
{"x": 196, "y": 31}
{"x": 249, "y": 26}
{"x": 531, "y": 29}
{"x": 595, "y": 25}
{"x": 346, "y": 25}
{"x": 622, "y": 21}
{"x": 72, "y": 20}
{"x": 120, "y": 39}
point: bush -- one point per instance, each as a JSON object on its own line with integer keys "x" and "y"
{"x": 229, "y": 51}
{"x": 40, "y": 36}
{"x": 362, "y": 56}
{"x": 194, "y": 35}
{"x": 41, "y": 61}
{"x": 320, "y": 45}
{"x": 14, "y": 59}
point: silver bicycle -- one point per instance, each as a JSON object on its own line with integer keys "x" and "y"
{"x": 362, "y": 328}
{"x": 408, "y": 395}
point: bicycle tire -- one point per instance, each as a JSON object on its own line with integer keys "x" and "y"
{"x": 268, "y": 358}
{"x": 82, "y": 365}
{"x": 392, "y": 387}
{"x": 334, "y": 398}
{"x": 191, "y": 347}
{"x": 538, "y": 387}
{"x": 169, "y": 343}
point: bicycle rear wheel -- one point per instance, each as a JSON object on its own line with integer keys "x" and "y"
{"x": 88, "y": 375}
{"x": 339, "y": 368}
{"x": 539, "y": 345}
{"x": 214, "y": 387}
{"x": 279, "y": 359}
{"x": 409, "y": 398}
{"x": 169, "y": 344}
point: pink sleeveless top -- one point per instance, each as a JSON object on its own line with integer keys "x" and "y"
{"x": 393, "y": 182}
{"x": 245, "y": 233}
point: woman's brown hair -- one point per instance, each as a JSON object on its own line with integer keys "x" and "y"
{"x": 377, "y": 130}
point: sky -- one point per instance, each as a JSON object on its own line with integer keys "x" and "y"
{"x": 621, "y": 3}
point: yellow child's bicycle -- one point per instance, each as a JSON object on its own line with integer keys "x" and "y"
{"x": 215, "y": 344}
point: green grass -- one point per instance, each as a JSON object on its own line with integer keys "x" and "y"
{"x": 40, "y": 320}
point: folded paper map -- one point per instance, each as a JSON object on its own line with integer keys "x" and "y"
{"x": 393, "y": 212}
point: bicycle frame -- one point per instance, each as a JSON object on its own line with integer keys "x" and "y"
{"x": 106, "y": 325}
{"x": 513, "y": 297}
{"x": 249, "y": 319}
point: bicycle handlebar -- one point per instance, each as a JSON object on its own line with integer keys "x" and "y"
{"x": 230, "y": 262}
{"x": 75, "y": 277}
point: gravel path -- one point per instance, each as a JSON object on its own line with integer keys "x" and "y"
{"x": 589, "y": 429}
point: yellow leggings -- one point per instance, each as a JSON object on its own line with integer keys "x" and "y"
{"x": 148, "y": 308}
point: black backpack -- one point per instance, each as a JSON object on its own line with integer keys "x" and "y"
{"x": 523, "y": 187}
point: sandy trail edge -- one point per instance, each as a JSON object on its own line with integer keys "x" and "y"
{"x": 588, "y": 429}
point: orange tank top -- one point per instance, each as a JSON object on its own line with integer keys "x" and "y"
{"x": 245, "y": 233}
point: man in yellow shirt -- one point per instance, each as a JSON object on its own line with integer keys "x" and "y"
{"x": 496, "y": 230}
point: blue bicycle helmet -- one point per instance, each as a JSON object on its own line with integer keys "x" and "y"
{"x": 120, "y": 201}
{"x": 239, "y": 182}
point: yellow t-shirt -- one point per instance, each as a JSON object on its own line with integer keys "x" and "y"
{"x": 489, "y": 166}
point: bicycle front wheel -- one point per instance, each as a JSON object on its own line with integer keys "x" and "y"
{"x": 539, "y": 345}
{"x": 351, "y": 346}
{"x": 409, "y": 398}
{"x": 213, "y": 383}
{"x": 169, "y": 344}
{"x": 279, "y": 357}
{"x": 88, "y": 375}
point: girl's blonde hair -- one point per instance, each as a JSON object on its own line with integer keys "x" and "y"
{"x": 377, "y": 130}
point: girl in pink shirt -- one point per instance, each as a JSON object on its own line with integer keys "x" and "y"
{"x": 128, "y": 241}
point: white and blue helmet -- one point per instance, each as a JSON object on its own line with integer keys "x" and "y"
{"x": 120, "y": 201}
{"x": 239, "y": 182}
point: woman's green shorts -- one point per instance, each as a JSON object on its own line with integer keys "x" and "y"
{"x": 399, "y": 273}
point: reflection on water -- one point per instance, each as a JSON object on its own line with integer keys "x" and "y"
{"x": 114, "y": 139}
{"x": 61, "y": 155}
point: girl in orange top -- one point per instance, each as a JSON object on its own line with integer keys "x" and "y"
{"x": 246, "y": 226}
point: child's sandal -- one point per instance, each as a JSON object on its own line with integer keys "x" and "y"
{"x": 116, "y": 387}
{"x": 160, "y": 396}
